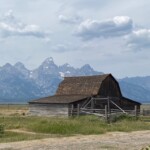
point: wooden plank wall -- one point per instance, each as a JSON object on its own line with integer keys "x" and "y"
{"x": 48, "y": 109}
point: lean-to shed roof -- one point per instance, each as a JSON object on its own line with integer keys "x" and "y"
{"x": 61, "y": 99}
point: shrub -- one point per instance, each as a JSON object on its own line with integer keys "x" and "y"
{"x": 123, "y": 117}
{"x": 146, "y": 148}
{"x": 1, "y": 129}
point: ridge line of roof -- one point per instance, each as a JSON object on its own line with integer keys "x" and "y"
{"x": 89, "y": 76}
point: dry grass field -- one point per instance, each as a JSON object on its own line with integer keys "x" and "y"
{"x": 145, "y": 106}
{"x": 13, "y": 109}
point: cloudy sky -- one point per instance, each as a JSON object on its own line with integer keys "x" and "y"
{"x": 112, "y": 36}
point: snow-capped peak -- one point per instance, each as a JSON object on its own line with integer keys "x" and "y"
{"x": 30, "y": 74}
{"x": 68, "y": 72}
{"x": 62, "y": 74}
{"x": 50, "y": 59}
{"x": 67, "y": 65}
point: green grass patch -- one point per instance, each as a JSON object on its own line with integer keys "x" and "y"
{"x": 54, "y": 127}
{"x": 64, "y": 126}
{"x": 1, "y": 129}
{"x": 70, "y": 126}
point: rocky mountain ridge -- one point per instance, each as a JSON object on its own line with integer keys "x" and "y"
{"x": 19, "y": 84}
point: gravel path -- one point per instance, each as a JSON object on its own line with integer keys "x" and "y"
{"x": 109, "y": 141}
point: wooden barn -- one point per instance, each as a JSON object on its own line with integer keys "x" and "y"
{"x": 84, "y": 95}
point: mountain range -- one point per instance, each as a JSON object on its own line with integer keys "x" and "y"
{"x": 19, "y": 84}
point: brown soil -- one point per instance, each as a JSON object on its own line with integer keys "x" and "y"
{"x": 109, "y": 141}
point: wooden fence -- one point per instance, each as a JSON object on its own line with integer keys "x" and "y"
{"x": 107, "y": 114}
{"x": 145, "y": 112}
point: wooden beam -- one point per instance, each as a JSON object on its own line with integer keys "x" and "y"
{"x": 100, "y": 98}
{"x": 135, "y": 108}
{"x": 88, "y": 103}
{"x": 84, "y": 103}
{"x": 90, "y": 109}
{"x": 72, "y": 107}
{"x": 118, "y": 106}
{"x": 78, "y": 110}
{"x": 92, "y": 105}
{"x": 106, "y": 113}
{"x": 96, "y": 114}
{"x": 108, "y": 104}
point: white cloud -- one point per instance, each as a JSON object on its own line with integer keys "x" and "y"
{"x": 44, "y": 15}
{"x": 69, "y": 20}
{"x": 118, "y": 26}
{"x": 139, "y": 39}
{"x": 11, "y": 26}
{"x": 60, "y": 48}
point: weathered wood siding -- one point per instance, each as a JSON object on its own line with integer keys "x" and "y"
{"x": 110, "y": 88}
{"x": 48, "y": 109}
{"x": 128, "y": 105}
{"x": 100, "y": 104}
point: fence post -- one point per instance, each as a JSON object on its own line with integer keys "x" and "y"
{"x": 109, "y": 111}
{"x": 92, "y": 105}
{"x": 106, "y": 113}
{"x": 78, "y": 110}
{"x": 72, "y": 110}
{"x": 135, "y": 108}
{"x": 143, "y": 113}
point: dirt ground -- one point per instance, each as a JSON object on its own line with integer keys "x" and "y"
{"x": 109, "y": 141}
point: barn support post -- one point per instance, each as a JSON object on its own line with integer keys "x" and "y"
{"x": 108, "y": 101}
{"x": 92, "y": 105}
{"x": 106, "y": 113}
{"x": 68, "y": 110}
{"x": 136, "y": 113}
{"x": 78, "y": 110}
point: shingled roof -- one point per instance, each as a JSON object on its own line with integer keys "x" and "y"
{"x": 83, "y": 85}
{"x": 73, "y": 89}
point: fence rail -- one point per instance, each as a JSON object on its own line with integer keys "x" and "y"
{"x": 102, "y": 112}
{"x": 145, "y": 112}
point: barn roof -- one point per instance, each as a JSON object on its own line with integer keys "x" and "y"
{"x": 83, "y": 85}
{"x": 61, "y": 99}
